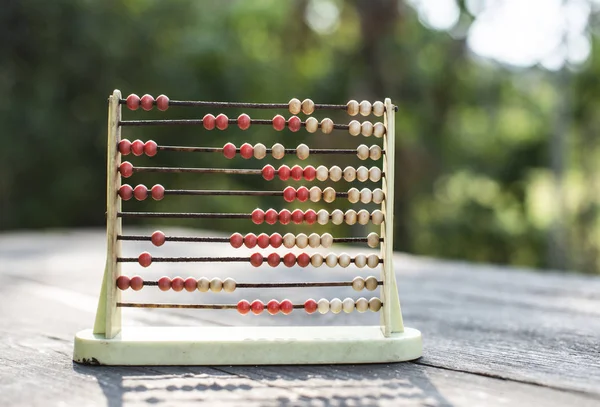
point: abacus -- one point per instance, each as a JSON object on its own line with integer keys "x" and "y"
{"x": 389, "y": 341}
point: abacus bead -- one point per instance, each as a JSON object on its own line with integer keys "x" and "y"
{"x": 350, "y": 217}
{"x": 262, "y": 240}
{"x": 378, "y": 109}
{"x": 310, "y": 217}
{"x": 378, "y": 129}
{"x": 271, "y": 216}
{"x": 309, "y": 173}
{"x": 140, "y": 192}
{"x": 362, "y": 305}
{"x": 157, "y": 192}
{"x": 363, "y": 216}
{"x": 316, "y": 259}
{"x": 326, "y": 126}
{"x": 268, "y": 172}
{"x": 310, "y": 306}
{"x": 243, "y": 121}
{"x": 150, "y": 148}
{"x": 331, "y": 260}
{"x": 322, "y": 217}
{"x": 303, "y": 259}
{"x": 260, "y": 151}
{"x": 326, "y": 240}
{"x": 372, "y": 260}
{"x": 352, "y": 107}
{"x": 229, "y": 150}
{"x": 277, "y": 151}
{"x": 373, "y": 239}
{"x": 362, "y": 173}
{"x": 246, "y": 151}
{"x": 349, "y": 174}
{"x": 203, "y": 284}
{"x": 289, "y": 260}
{"x": 136, "y": 283}
{"x": 124, "y": 147}
{"x": 375, "y": 152}
{"x": 377, "y": 217}
{"x": 354, "y": 128}
{"x": 366, "y": 196}
{"x": 335, "y": 173}
{"x": 337, "y": 217}
{"x": 378, "y": 195}
{"x": 229, "y": 285}
{"x": 177, "y": 284}
{"x": 360, "y": 260}
{"x": 315, "y": 194}
{"x": 137, "y": 147}
{"x": 312, "y": 124}
{"x": 302, "y": 151}
{"x": 364, "y": 108}
{"x": 284, "y": 172}
{"x": 208, "y": 121}
{"x": 162, "y": 103}
{"x": 256, "y": 259}
{"x": 366, "y": 129}
{"x": 275, "y": 240}
{"x": 147, "y": 102}
{"x": 371, "y": 283}
{"x": 221, "y": 121}
{"x": 374, "y": 304}
{"x": 258, "y": 216}
{"x": 294, "y": 123}
{"x": 289, "y": 240}
{"x": 289, "y": 194}
{"x": 243, "y": 307}
{"x": 125, "y": 192}
{"x": 250, "y": 240}
{"x": 314, "y": 240}
{"x": 329, "y": 195}
{"x": 348, "y": 305}
{"x": 164, "y": 283}
{"x": 294, "y": 106}
{"x": 362, "y": 152}
{"x": 323, "y": 306}
{"x": 279, "y": 122}
{"x": 257, "y": 307}
{"x": 190, "y": 284}
{"x": 126, "y": 169}
{"x": 236, "y": 240}
{"x": 358, "y": 284}
{"x": 302, "y": 194}
{"x": 274, "y": 259}
{"x": 344, "y": 260}
{"x": 273, "y": 307}
{"x": 353, "y": 195}
{"x": 286, "y": 307}
{"x": 335, "y": 305}
{"x": 374, "y": 174}
{"x": 308, "y": 106}
{"x": 133, "y": 101}
{"x": 123, "y": 282}
{"x": 322, "y": 173}
{"x": 157, "y": 238}
{"x": 296, "y": 172}
{"x": 301, "y": 240}
{"x": 298, "y": 216}
{"x": 285, "y": 216}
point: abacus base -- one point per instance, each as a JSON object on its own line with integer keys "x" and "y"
{"x": 247, "y": 346}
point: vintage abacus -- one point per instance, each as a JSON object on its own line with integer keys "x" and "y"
{"x": 110, "y": 343}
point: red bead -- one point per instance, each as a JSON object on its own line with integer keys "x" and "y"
{"x": 133, "y": 101}
{"x": 275, "y": 240}
{"x": 271, "y": 216}
{"x": 310, "y": 306}
{"x": 257, "y": 307}
{"x": 284, "y": 172}
{"x": 137, "y": 147}
{"x": 286, "y": 307}
{"x": 256, "y": 259}
{"x": 243, "y": 307}
{"x": 250, "y": 240}
{"x": 273, "y": 307}
{"x": 136, "y": 283}
{"x": 177, "y": 284}
{"x": 243, "y": 121}
{"x": 278, "y": 122}
{"x": 294, "y": 123}
{"x": 303, "y": 259}
{"x": 246, "y": 151}
{"x": 296, "y": 172}
{"x": 208, "y": 121}
{"x": 162, "y": 103}
{"x": 236, "y": 240}
{"x": 221, "y": 121}
{"x": 124, "y": 147}
{"x": 147, "y": 102}
{"x": 145, "y": 259}
{"x": 150, "y": 148}
{"x": 158, "y": 192}
{"x": 310, "y": 216}
{"x": 268, "y": 172}
{"x": 229, "y": 150}
{"x": 262, "y": 241}
{"x": 158, "y": 238}
{"x": 258, "y": 216}
{"x": 190, "y": 284}
{"x": 310, "y": 173}
{"x": 274, "y": 259}
{"x": 298, "y": 216}
{"x": 123, "y": 282}
{"x": 125, "y": 192}
{"x": 289, "y": 260}
{"x": 140, "y": 192}
{"x": 302, "y": 194}
{"x": 289, "y": 194}
{"x": 285, "y": 217}
{"x": 164, "y": 283}
{"x": 126, "y": 169}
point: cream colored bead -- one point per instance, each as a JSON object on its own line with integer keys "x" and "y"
{"x": 349, "y": 174}
{"x": 331, "y": 260}
{"x": 337, "y": 217}
{"x": 373, "y": 239}
{"x": 216, "y": 285}
{"x": 362, "y": 173}
{"x": 352, "y": 107}
{"x": 362, "y": 304}
{"x": 348, "y": 305}
{"x": 308, "y": 106}
{"x": 326, "y": 240}
{"x": 366, "y": 129}
{"x": 315, "y": 194}
{"x": 312, "y": 125}
{"x": 302, "y": 151}
{"x": 289, "y": 240}
{"x": 344, "y": 260}
{"x": 372, "y": 260}
{"x": 366, "y": 196}
{"x": 278, "y": 151}
{"x": 203, "y": 284}
{"x": 329, "y": 195}
{"x": 375, "y": 174}
{"x": 350, "y": 217}
{"x": 335, "y": 305}
{"x": 365, "y": 108}
{"x": 378, "y": 129}
{"x": 353, "y": 195}
{"x": 229, "y": 285}
{"x": 371, "y": 283}
{"x": 360, "y": 260}
{"x": 377, "y": 217}
{"x": 260, "y": 151}
{"x": 314, "y": 240}
{"x": 323, "y": 306}
{"x": 326, "y": 126}
{"x": 354, "y": 128}
{"x": 301, "y": 240}
{"x": 316, "y": 260}
{"x": 363, "y": 217}
{"x": 375, "y": 304}
{"x": 362, "y": 152}
{"x": 294, "y": 106}
{"x": 375, "y": 152}
{"x": 322, "y": 173}
{"x": 335, "y": 173}
{"x": 378, "y": 109}
{"x": 358, "y": 284}
{"x": 322, "y": 217}
{"x": 378, "y": 195}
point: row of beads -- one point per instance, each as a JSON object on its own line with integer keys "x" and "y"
{"x": 138, "y": 147}
{"x": 273, "y": 307}
{"x": 322, "y": 173}
{"x": 367, "y": 129}
{"x": 290, "y": 240}
{"x": 147, "y": 102}
{"x": 365, "y": 108}
{"x": 315, "y": 194}
{"x": 259, "y": 151}
{"x": 140, "y": 192}
{"x": 311, "y": 306}
{"x": 322, "y": 217}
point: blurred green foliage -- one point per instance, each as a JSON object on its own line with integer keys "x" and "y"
{"x": 474, "y": 178}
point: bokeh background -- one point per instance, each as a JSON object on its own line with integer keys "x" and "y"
{"x": 497, "y": 132}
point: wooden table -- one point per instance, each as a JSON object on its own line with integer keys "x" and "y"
{"x": 492, "y": 336}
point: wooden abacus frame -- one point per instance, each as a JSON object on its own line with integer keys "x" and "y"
{"x": 110, "y": 343}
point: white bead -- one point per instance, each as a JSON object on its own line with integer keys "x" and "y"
{"x": 322, "y": 173}
{"x": 363, "y": 217}
{"x": 378, "y": 109}
{"x": 302, "y": 151}
{"x": 366, "y": 129}
{"x": 278, "y": 151}
{"x": 326, "y": 240}
{"x": 322, "y": 217}
{"x": 352, "y": 107}
{"x": 229, "y": 285}
{"x": 362, "y": 305}
{"x": 349, "y": 174}
{"x": 203, "y": 284}
{"x": 326, "y": 126}
{"x": 362, "y": 173}
{"x": 316, "y": 260}
{"x": 335, "y": 305}
{"x": 365, "y": 108}
{"x": 378, "y": 129}
{"x": 323, "y": 306}
{"x": 350, "y": 217}
{"x": 314, "y": 240}
{"x": 301, "y": 240}
{"x": 353, "y": 195}
{"x": 374, "y": 174}
{"x": 344, "y": 260}
{"x": 366, "y": 196}
{"x": 360, "y": 260}
{"x": 308, "y": 106}
{"x": 329, "y": 195}
{"x": 375, "y": 152}
{"x": 337, "y": 217}
{"x": 260, "y": 151}
{"x": 289, "y": 240}
{"x": 377, "y": 217}
{"x": 372, "y": 260}
{"x": 354, "y": 128}
{"x": 373, "y": 240}
{"x": 362, "y": 152}
{"x": 358, "y": 284}
{"x": 216, "y": 285}
{"x": 331, "y": 260}
{"x": 371, "y": 283}
{"x": 315, "y": 194}
{"x": 312, "y": 125}
{"x": 335, "y": 173}
{"x": 294, "y": 106}
{"x": 378, "y": 195}
{"x": 348, "y": 305}
{"x": 374, "y": 304}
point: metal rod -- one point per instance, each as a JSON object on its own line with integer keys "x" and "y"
{"x": 201, "y": 192}
{"x": 184, "y": 215}
{"x": 203, "y": 170}
{"x": 225, "y": 239}
{"x": 283, "y": 285}
{"x": 188, "y": 306}
{"x": 206, "y": 259}
{"x": 269, "y": 150}
{"x": 199, "y": 122}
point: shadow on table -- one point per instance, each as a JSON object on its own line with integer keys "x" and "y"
{"x": 331, "y": 385}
